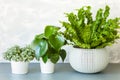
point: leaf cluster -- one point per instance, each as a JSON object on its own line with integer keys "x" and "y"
{"x": 16, "y": 53}
{"x": 87, "y": 33}
{"x": 48, "y": 45}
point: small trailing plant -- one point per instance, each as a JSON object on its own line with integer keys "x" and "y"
{"x": 85, "y": 32}
{"x": 48, "y": 45}
{"x": 16, "y": 53}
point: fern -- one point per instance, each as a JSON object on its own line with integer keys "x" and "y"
{"x": 85, "y": 32}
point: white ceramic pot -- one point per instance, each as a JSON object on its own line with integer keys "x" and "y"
{"x": 19, "y": 67}
{"x": 47, "y": 67}
{"x": 88, "y": 60}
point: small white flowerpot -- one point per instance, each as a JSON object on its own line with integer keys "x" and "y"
{"x": 47, "y": 67}
{"x": 19, "y": 67}
{"x": 88, "y": 60}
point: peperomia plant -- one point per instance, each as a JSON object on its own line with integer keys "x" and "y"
{"x": 16, "y": 53}
{"x": 48, "y": 45}
{"x": 85, "y": 32}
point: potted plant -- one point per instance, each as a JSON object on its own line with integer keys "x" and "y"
{"x": 48, "y": 47}
{"x": 89, "y": 38}
{"x": 20, "y": 58}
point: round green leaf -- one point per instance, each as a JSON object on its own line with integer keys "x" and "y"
{"x": 37, "y": 54}
{"x": 54, "y": 58}
{"x": 45, "y": 58}
{"x": 41, "y": 49}
{"x": 56, "y": 41}
{"x": 49, "y": 30}
{"x": 63, "y": 54}
{"x": 37, "y": 39}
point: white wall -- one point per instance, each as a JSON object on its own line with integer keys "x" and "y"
{"x": 21, "y": 20}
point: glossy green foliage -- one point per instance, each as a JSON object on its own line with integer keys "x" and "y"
{"x": 16, "y": 53}
{"x": 41, "y": 48}
{"x": 50, "y": 30}
{"x": 63, "y": 54}
{"x": 56, "y": 41}
{"x": 84, "y": 32}
{"x": 48, "y": 44}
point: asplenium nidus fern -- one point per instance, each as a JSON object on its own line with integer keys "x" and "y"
{"x": 86, "y": 32}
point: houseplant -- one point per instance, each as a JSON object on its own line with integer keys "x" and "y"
{"x": 89, "y": 38}
{"x": 48, "y": 48}
{"x": 19, "y": 57}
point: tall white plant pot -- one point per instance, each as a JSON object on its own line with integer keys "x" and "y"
{"x": 47, "y": 67}
{"x": 19, "y": 67}
{"x": 88, "y": 60}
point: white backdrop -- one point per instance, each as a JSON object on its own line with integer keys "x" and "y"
{"x": 21, "y": 20}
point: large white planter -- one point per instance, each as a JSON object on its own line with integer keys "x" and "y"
{"x": 19, "y": 67}
{"x": 88, "y": 60}
{"x": 47, "y": 67}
